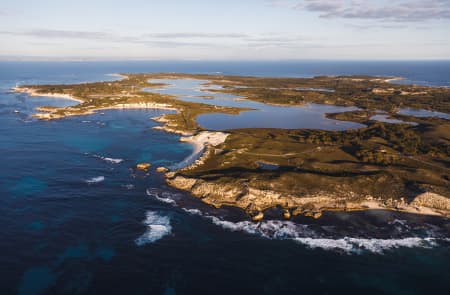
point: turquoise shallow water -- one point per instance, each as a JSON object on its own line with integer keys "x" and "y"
{"x": 76, "y": 218}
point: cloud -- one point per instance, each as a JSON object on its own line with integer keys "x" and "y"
{"x": 169, "y": 40}
{"x": 277, "y": 40}
{"x": 196, "y": 35}
{"x": 374, "y": 25}
{"x": 393, "y": 10}
{"x": 98, "y": 36}
{"x": 63, "y": 34}
{"x": 281, "y": 3}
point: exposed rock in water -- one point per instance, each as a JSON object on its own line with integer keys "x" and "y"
{"x": 162, "y": 170}
{"x": 286, "y": 214}
{"x": 315, "y": 215}
{"x": 143, "y": 166}
{"x": 258, "y": 217}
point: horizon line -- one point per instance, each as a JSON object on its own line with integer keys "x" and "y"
{"x": 39, "y": 59}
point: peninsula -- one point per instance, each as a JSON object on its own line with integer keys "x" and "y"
{"x": 402, "y": 166}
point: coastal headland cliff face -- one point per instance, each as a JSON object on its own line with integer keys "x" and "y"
{"x": 402, "y": 166}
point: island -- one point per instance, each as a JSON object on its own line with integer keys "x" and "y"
{"x": 394, "y": 161}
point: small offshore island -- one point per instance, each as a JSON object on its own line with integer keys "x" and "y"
{"x": 399, "y": 163}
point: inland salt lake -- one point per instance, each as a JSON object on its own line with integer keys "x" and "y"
{"x": 77, "y": 219}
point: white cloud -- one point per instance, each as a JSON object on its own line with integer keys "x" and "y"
{"x": 416, "y": 10}
{"x": 165, "y": 40}
{"x": 196, "y": 35}
{"x": 393, "y": 10}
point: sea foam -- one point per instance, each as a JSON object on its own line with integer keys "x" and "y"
{"x": 95, "y": 179}
{"x": 109, "y": 160}
{"x": 162, "y": 197}
{"x": 358, "y": 245}
{"x": 114, "y": 161}
{"x": 158, "y": 226}
{"x": 313, "y": 239}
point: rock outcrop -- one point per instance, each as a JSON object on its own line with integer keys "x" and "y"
{"x": 143, "y": 166}
{"x": 162, "y": 170}
{"x": 432, "y": 200}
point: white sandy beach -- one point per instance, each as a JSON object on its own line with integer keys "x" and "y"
{"x": 33, "y": 92}
{"x": 201, "y": 142}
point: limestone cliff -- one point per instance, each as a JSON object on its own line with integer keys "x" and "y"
{"x": 254, "y": 200}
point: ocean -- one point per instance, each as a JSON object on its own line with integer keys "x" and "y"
{"x": 77, "y": 218}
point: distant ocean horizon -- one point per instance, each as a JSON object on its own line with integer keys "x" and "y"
{"x": 420, "y": 72}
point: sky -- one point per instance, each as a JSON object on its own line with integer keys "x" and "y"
{"x": 224, "y": 30}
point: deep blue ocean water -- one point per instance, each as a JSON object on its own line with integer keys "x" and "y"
{"x": 76, "y": 218}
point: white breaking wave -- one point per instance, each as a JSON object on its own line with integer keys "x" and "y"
{"x": 270, "y": 229}
{"x": 164, "y": 197}
{"x": 356, "y": 245}
{"x": 110, "y": 160}
{"x": 128, "y": 186}
{"x": 305, "y": 235}
{"x": 114, "y": 161}
{"x": 193, "y": 211}
{"x": 95, "y": 179}
{"x": 158, "y": 226}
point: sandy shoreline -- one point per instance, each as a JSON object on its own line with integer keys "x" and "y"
{"x": 48, "y": 114}
{"x": 201, "y": 142}
{"x": 33, "y": 92}
{"x": 139, "y": 106}
{"x": 123, "y": 77}
{"x": 390, "y": 80}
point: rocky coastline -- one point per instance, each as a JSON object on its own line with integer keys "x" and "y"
{"x": 254, "y": 201}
